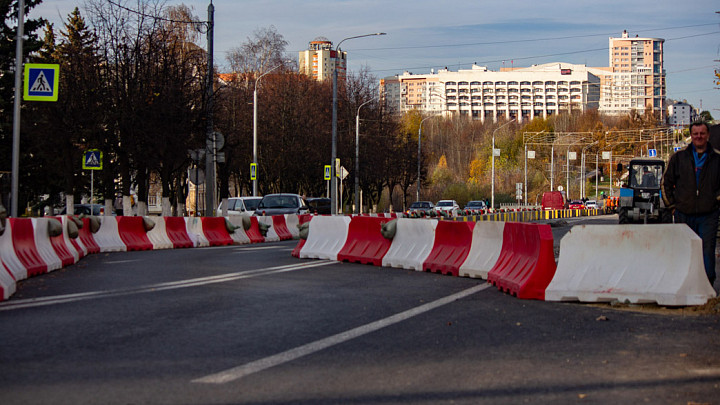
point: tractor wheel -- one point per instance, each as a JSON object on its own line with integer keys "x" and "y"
{"x": 666, "y": 217}
{"x": 623, "y": 216}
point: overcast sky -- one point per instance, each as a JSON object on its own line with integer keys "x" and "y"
{"x": 424, "y": 35}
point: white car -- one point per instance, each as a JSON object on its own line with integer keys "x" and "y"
{"x": 449, "y": 207}
{"x": 240, "y": 206}
{"x": 592, "y": 205}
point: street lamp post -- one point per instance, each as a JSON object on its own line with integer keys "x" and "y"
{"x": 255, "y": 103}
{"x": 357, "y": 158}
{"x": 417, "y": 195}
{"x": 333, "y": 174}
{"x": 492, "y": 182}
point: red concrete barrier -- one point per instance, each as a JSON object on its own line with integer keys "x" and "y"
{"x": 133, "y": 234}
{"x": 527, "y": 262}
{"x": 86, "y": 237}
{"x": 61, "y": 247}
{"x": 177, "y": 232}
{"x": 365, "y": 244}
{"x": 451, "y": 247}
{"x": 254, "y": 232}
{"x": 281, "y": 228}
{"x": 23, "y": 238}
{"x": 215, "y": 231}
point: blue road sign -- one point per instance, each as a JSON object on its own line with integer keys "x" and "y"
{"x": 41, "y": 82}
{"x": 652, "y": 152}
{"x": 253, "y": 171}
{"x": 327, "y": 172}
{"x": 92, "y": 160}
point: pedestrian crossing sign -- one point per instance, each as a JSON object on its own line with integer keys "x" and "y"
{"x": 41, "y": 82}
{"x": 92, "y": 160}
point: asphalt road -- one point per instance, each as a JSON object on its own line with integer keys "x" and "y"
{"x": 252, "y": 325}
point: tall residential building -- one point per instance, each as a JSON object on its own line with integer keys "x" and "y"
{"x": 636, "y": 78}
{"x": 478, "y": 93}
{"x": 320, "y": 60}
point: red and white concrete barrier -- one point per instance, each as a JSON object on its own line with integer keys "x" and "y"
{"x": 108, "y": 236}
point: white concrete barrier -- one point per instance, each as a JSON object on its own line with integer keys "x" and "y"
{"x": 412, "y": 244}
{"x": 659, "y": 263}
{"x": 292, "y": 221}
{"x": 7, "y": 283}
{"x": 326, "y": 237}
{"x": 158, "y": 235}
{"x": 108, "y": 236}
{"x": 239, "y": 237}
{"x": 43, "y": 245}
{"x": 195, "y": 232}
{"x": 266, "y": 220}
{"x": 486, "y": 246}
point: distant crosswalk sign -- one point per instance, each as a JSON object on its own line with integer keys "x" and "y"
{"x": 41, "y": 82}
{"x": 92, "y": 160}
{"x": 327, "y": 172}
{"x": 253, "y": 171}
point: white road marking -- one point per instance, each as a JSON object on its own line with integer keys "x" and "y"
{"x": 251, "y": 249}
{"x": 172, "y": 285}
{"x": 310, "y": 348}
{"x": 121, "y": 261}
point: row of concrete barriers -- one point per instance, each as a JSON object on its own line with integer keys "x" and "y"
{"x": 35, "y": 246}
{"x": 597, "y": 263}
{"x": 628, "y": 263}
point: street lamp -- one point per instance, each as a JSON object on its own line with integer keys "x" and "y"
{"x": 492, "y": 187}
{"x": 333, "y": 174}
{"x": 417, "y": 196}
{"x": 357, "y": 158}
{"x": 255, "y": 103}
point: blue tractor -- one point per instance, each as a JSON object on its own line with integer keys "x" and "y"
{"x": 640, "y": 197}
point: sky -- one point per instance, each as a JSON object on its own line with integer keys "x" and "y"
{"x": 422, "y": 35}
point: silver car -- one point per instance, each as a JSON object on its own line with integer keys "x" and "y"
{"x": 240, "y": 206}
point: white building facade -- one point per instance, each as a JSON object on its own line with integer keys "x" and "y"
{"x": 320, "y": 60}
{"x": 681, "y": 114}
{"x": 481, "y": 94}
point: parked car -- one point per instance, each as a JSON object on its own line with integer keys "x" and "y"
{"x": 477, "y": 205}
{"x": 280, "y": 204}
{"x": 420, "y": 208}
{"x": 241, "y": 206}
{"x": 449, "y": 207}
{"x": 592, "y": 205}
{"x": 576, "y": 205}
{"x": 87, "y": 209}
{"x": 320, "y": 205}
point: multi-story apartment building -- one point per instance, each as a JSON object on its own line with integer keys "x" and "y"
{"x": 320, "y": 60}
{"x": 478, "y": 93}
{"x": 635, "y": 79}
{"x": 681, "y": 114}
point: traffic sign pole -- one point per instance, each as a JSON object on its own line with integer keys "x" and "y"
{"x": 16, "y": 110}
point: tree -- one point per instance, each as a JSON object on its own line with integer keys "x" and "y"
{"x": 706, "y": 116}
{"x": 260, "y": 53}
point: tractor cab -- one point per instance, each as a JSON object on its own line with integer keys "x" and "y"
{"x": 640, "y": 198}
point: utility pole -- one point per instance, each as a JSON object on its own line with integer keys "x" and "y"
{"x": 16, "y": 111}
{"x": 211, "y": 157}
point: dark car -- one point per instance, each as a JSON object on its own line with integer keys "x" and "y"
{"x": 320, "y": 206}
{"x": 280, "y": 204}
{"x": 87, "y": 209}
{"x": 421, "y": 208}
